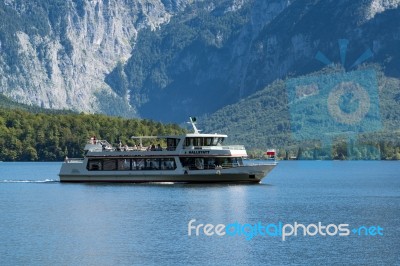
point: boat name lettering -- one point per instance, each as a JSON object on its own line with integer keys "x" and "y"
{"x": 199, "y": 152}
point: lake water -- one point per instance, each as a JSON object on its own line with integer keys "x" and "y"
{"x": 44, "y": 222}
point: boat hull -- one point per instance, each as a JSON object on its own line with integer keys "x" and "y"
{"x": 242, "y": 174}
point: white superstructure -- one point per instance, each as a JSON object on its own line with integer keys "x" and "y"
{"x": 193, "y": 157}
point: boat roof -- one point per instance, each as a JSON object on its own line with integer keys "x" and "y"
{"x": 189, "y": 135}
{"x": 196, "y": 134}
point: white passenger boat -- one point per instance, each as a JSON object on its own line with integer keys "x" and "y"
{"x": 192, "y": 158}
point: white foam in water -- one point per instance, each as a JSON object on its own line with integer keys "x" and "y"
{"x": 162, "y": 183}
{"x": 29, "y": 181}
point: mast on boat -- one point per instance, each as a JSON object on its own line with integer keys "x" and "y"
{"x": 193, "y": 122}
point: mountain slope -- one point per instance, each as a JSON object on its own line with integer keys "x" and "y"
{"x": 167, "y": 59}
{"x": 214, "y": 57}
{"x": 266, "y": 119}
{"x": 199, "y": 57}
{"x": 56, "y": 54}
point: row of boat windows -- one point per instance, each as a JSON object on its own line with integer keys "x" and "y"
{"x": 131, "y": 164}
{"x": 210, "y": 141}
{"x": 200, "y": 163}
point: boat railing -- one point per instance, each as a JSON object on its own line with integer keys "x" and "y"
{"x": 234, "y": 147}
{"x": 94, "y": 144}
{"x": 98, "y": 141}
{"x": 73, "y": 160}
{"x": 230, "y": 147}
{"x": 146, "y": 148}
{"x": 98, "y": 145}
{"x": 196, "y": 166}
{"x": 266, "y": 162}
{"x": 230, "y": 165}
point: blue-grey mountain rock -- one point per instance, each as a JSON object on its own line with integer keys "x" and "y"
{"x": 168, "y": 59}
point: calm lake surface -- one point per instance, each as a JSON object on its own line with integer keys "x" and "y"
{"x": 44, "y": 222}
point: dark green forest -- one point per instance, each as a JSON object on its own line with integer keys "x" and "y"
{"x": 51, "y": 136}
{"x": 305, "y": 129}
{"x": 261, "y": 121}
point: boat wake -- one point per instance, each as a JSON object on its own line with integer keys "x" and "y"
{"x": 30, "y": 181}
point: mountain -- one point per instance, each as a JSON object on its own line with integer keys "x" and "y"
{"x": 56, "y": 53}
{"x": 168, "y": 59}
{"x": 197, "y": 62}
{"x": 6, "y": 103}
{"x": 275, "y": 117}
{"x": 219, "y": 55}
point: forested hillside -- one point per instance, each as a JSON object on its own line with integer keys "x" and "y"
{"x": 266, "y": 119}
{"x": 26, "y": 136}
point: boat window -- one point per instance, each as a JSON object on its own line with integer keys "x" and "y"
{"x": 102, "y": 164}
{"x": 94, "y": 165}
{"x": 239, "y": 161}
{"x": 140, "y": 164}
{"x": 124, "y": 164}
{"x": 201, "y": 141}
{"x": 197, "y": 141}
{"x": 200, "y": 163}
{"x": 168, "y": 164}
{"x": 210, "y": 163}
{"x": 153, "y": 164}
{"x": 209, "y": 141}
{"x": 187, "y": 162}
{"x": 215, "y": 142}
{"x": 171, "y": 144}
{"x": 188, "y": 142}
{"x": 109, "y": 164}
{"x": 231, "y": 162}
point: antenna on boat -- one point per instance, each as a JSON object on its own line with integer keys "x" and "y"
{"x": 193, "y": 122}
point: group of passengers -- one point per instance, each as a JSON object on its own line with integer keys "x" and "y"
{"x": 125, "y": 147}
{"x": 153, "y": 147}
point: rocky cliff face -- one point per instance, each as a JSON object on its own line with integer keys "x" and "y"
{"x": 167, "y": 59}
{"x": 379, "y": 6}
{"x": 199, "y": 61}
{"x": 211, "y": 59}
{"x": 291, "y": 45}
{"x": 62, "y": 61}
